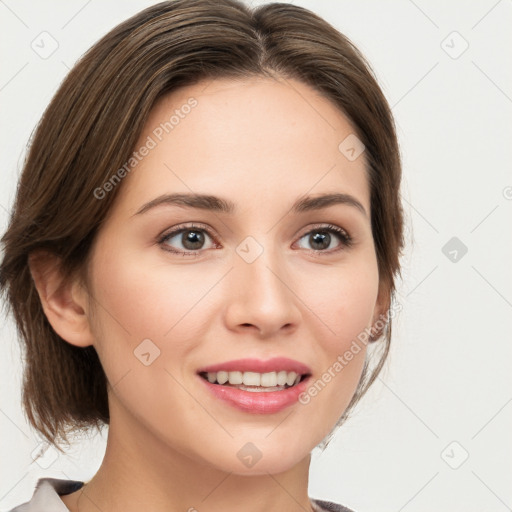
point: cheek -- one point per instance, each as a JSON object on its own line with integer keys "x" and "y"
{"x": 138, "y": 312}
{"x": 144, "y": 298}
{"x": 343, "y": 305}
{"x": 136, "y": 300}
{"x": 343, "y": 299}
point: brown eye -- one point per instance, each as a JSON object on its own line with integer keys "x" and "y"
{"x": 320, "y": 240}
{"x": 187, "y": 240}
{"x": 192, "y": 239}
{"x": 326, "y": 239}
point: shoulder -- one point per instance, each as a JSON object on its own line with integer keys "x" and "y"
{"x": 328, "y": 506}
{"x": 46, "y": 495}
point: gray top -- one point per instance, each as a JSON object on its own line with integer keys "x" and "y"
{"x": 47, "y": 492}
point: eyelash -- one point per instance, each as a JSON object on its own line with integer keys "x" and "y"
{"x": 345, "y": 239}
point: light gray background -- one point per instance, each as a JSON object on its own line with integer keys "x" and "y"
{"x": 446, "y": 392}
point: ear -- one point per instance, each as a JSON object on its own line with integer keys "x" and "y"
{"x": 65, "y": 303}
{"x": 380, "y": 316}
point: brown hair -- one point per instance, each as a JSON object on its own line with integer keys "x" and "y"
{"x": 91, "y": 126}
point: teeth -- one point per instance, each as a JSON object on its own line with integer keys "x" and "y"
{"x": 235, "y": 377}
{"x": 266, "y": 380}
{"x": 282, "y": 377}
{"x": 251, "y": 379}
{"x": 290, "y": 380}
{"x": 222, "y": 377}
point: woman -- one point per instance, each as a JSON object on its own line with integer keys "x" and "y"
{"x": 201, "y": 253}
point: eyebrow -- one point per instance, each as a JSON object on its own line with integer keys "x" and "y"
{"x": 217, "y": 204}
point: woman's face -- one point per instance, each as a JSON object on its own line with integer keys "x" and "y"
{"x": 184, "y": 285}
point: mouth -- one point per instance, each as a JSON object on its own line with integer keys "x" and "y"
{"x": 255, "y": 386}
{"x": 254, "y": 381}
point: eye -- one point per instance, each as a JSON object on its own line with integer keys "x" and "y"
{"x": 327, "y": 238}
{"x": 187, "y": 240}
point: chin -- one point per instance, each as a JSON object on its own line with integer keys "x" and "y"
{"x": 259, "y": 457}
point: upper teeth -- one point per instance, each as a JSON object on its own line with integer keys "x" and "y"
{"x": 270, "y": 379}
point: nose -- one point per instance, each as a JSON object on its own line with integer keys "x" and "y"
{"x": 262, "y": 298}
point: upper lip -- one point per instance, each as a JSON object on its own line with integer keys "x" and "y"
{"x": 275, "y": 364}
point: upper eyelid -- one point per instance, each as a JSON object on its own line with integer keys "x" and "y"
{"x": 324, "y": 225}
{"x": 176, "y": 230}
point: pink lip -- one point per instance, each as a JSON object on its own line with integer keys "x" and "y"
{"x": 257, "y": 365}
{"x": 266, "y": 402}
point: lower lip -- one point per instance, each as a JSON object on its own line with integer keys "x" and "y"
{"x": 264, "y": 402}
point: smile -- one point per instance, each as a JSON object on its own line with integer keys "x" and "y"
{"x": 256, "y": 386}
{"x": 253, "y": 381}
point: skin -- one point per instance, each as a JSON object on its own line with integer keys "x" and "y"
{"x": 171, "y": 445}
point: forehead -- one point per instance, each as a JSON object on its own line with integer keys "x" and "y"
{"x": 246, "y": 139}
